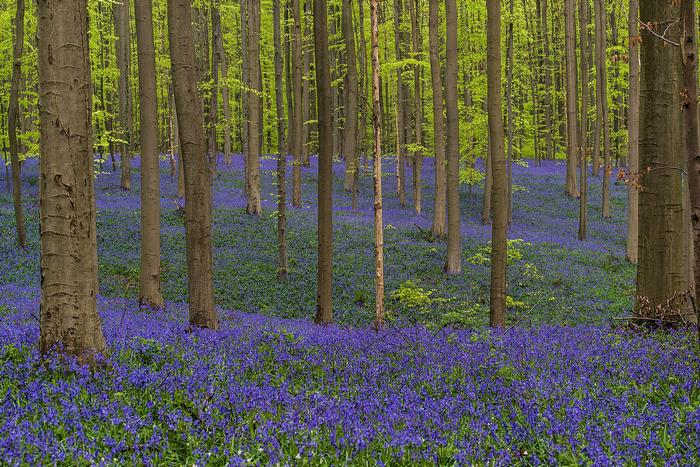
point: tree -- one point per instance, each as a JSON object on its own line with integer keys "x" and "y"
{"x": 572, "y": 148}
{"x": 351, "y": 93}
{"x": 68, "y": 309}
{"x": 123, "y": 51}
{"x": 439, "y": 228}
{"x": 633, "y": 132}
{"x": 401, "y": 117}
{"x": 198, "y": 202}
{"x": 417, "y": 109}
{"x": 602, "y": 122}
{"x": 221, "y": 54}
{"x": 254, "y": 203}
{"x": 377, "y": 124}
{"x": 13, "y": 120}
{"x": 583, "y": 128}
{"x": 282, "y": 266}
{"x": 324, "y": 311}
{"x": 297, "y": 119}
{"x": 150, "y": 293}
{"x": 499, "y": 229}
{"x": 661, "y": 270}
{"x": 454, "y": 235}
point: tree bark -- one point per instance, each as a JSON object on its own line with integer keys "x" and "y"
{"x": 377, "y": 124}
{"x": 254, "y": 204}
{"x": 150, "y": 293}
{"x": 548, "y": 119}
{"x": 68, "y": 312}
{"x": 439, "y": 210}
{"x": 572, "y": 147}
{"x": 351, "y": 93}
{"x": 225, "y": 93}
{"x": 417, "y": 108}
{"x": 602, "y": 93}
{"x": 583, "y": 135}
{"x": 198, "y": 198}
{"x": 324, "y": 311}
{"x": 662, "y": 270}
{"x": 500, "y": 186}
{"x": 454, "y": 235}
{"x": 633, "y": 133}
{"x": 282, "y": 266}
{"x": 400, "y": 113}
{"x": 123, "y": 51}
{"x": 13, "y": 120}
{"x": 298, "y": 117}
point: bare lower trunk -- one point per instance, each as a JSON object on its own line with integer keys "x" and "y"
{"x": 583, "y": 135}
{"x": 221, "y": 52}
{"x": 12, "y": 121}
{"x": 282, "y": 266}
{"x": 400, "y": 113}
{"x": 439, "y": 211}
{"x": 350, "y": 142}
{"x": 572, "y": 147}
{"x": 633, "y": 133}
{"x": 454, "y": 234}
{"x": 602, "y": 87}
{"x": 123, "y": 51}
{"x": 254, "y": 205}
{"x": 417, "y": 109}
{"x": 67, "y": 198}
{"x": 298, "y": 118}
{"x": 198, "y": 202}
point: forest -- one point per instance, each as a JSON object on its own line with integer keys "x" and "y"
{"x": 349, "y": 232}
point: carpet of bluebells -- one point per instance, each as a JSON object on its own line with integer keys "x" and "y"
{"x": 559, "y": 386}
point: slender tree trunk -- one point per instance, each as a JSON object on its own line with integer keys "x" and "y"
{"x": 439, "y": 210}
{"x": 488, "y": 187}
{"x": 13, "y": 120}
{"x": 509, "y": 108}
{"x": 548, "y": 120}
{"x": 198, "y": 202}
{"x": 282, "y": 266}
{"x": 377, "y": 124}
{"x": 306, "y": 88}
{"x": 67, "y": 195}
{"x": 150, "y": 294}
{"x": 298, "y": 117}
{"x": 214, "y": 98}
{"x": 662, "y": 269}
{"x": 324, "y": 311}
{"x": 400, "y": 114}
{"x": 583, "y": 135}
{"x": 572, "y": 147}
{"x": 602, "y": 89}
{"x": 633, "y": 133}
{"x": 123, "y": 50}
{"x": 254, "y": 204}
{"x": 500, "y": 188}
{"x": 454, "y": 234}
{"x": 288, "y": 80}
{"x": 689, "y": 50}
{"x": 225, "y": 98}
{"x": 417, "y": 108}
{"x": 245, "y": 81}
{"x": 351, "y": 93}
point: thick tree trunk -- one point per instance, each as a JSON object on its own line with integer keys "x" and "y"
{"x": 13, "y": 120}
{"x": 198, "y": 202}
{"x": 67, "y": 196}
{"x": 602, "y": 90}
{"x": 324, "y": 311}
{"x": 439, "y": 210}
{"x": 454, "y": 234}
{"x": 689, "y": 49}
{"x": 377, "y": 124}
{"x": 499, "y": 228}
{"x": 662, "y": 270}
{"x": 572, "y": 147}
{"x": 282, "y": 266}
{"x": 298, "y": 118}
{"x": 123, "y": 51}
{"x": 633, "y": 133}
{"x": 351, "y": 93}
{"x": 150, "y": 293}
{"x": 254, "y": 204}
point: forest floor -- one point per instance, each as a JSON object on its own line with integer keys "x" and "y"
{"x": 559, "y": 386}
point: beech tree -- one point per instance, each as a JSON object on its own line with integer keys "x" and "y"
{"x": 454, "y": 234}
{"x": 297, "y": 118}
{"x": 123, "y": 52}
{"x": 254, "y": 202}
{"x": 193, "y": 146}
{"x": 633, "y": 132}
{"x": 439, "y": 210}
{"x": 12, "y": 122}
{"x": 572, "y": 147}
{"x": 351, "y": 95}
{"x": 68, "y": 309}
{"x": 282, "y": 266}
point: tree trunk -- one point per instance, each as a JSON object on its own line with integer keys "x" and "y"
{"x": 689, "y": 49}
{"x": 439, "y": 211}
{"x": 213, "y": 100}
{"x": 123, "y": 51}
{"x": 633, "y": 133}
{"x": 306, "y": 88}
{"x": 454, "y": 235}
{"x": 417, "y": 108}
{"x": 254, "y": 205}
{"x": 548, "y": 120}
{"x": 221, "y": 52}
{"x": 572, "y": 148}
{"x": 400, "y": 114}
{"x": 298, "y": 117}
{"x": 288, "y": 80}
{"x": 198, "y": 202}
{"x": 150, "y": 294}
{"x": 13, "y": 120}
{"x": 67, "y": 195}
{"x": 662, "y": 270}
{"x": 282, "y": 267}
{"x": 509, "y": 109}
{"x": 602, "y": 90}
{"x": 244, "y": 81}
{"x": 583, "y": 135}
{"x": 324, "y": 311}
{"x": 350, "y": 142}
{"x": 499, "y": 228}
{"x": 377, "y": 124}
